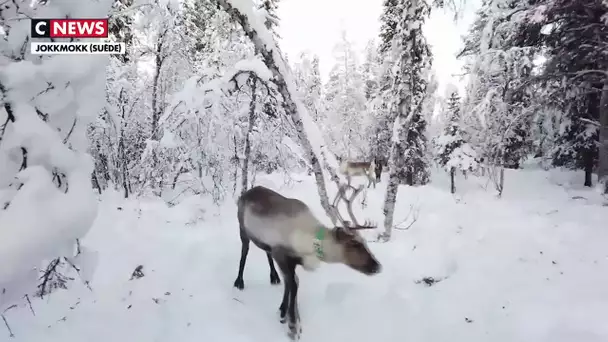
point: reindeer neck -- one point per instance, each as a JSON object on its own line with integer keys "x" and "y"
{"x": 319, "y": 242}
{"x": 325, "y": 245}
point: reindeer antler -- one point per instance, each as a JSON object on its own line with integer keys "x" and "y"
{"x": 341, "y": 195}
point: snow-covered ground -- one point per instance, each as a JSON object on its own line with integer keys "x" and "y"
{"x": 530, "y": 267}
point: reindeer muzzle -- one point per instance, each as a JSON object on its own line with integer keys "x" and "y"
{"x": 372, "y": 267}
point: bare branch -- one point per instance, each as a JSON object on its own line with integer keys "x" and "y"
{"x": 587, "y": 72}
{"x": 65, "y": 140}
{"x": 591, "y": 122}
{"x": 29, "y": 302}
{"x": 414, "y": 213}
{"x": 8, "y": 327}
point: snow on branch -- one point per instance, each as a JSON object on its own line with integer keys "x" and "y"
{"x": 46, "y": 198}
{"x": 244, "y": 13}
{"x": 256, "y": 66}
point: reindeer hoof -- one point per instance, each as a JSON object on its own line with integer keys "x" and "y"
{"x": 295, "y": 331}
{"x": 282, "y": 314}
{"x": 239, "y": 283}
{"x": 274, "y": 279}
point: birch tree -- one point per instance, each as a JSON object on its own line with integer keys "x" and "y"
{"x": 345, "y": 102}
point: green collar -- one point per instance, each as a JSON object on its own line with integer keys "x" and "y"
{"x": 317, "y": 243}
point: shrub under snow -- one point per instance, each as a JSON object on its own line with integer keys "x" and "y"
{"x": 46, "y": 197}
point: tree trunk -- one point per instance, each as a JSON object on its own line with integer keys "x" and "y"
{"x": 247, "y": 155}
{"x": 588, "y": 166}
{"x": 390, "y": 200}
{"x": 181, "y": 171}
{"x": 397, "y": 169}
{"x": 501, "y": 181}
{"x": 452, "y": 184}
{"x": 122, "y": 155}
{"x": 156, "y": 110}
{"x": 156, "y": 114}
{"x": 125, "y": 178}
{"x": 602, "y": 171}
{"x": 96, "y": 182}
{"x": 235, "y": 162}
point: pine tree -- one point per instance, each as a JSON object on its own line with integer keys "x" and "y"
{"x": 499, "y": 100}
{"x": 392, "y": 11}
{"x": 199, "y": 21}
{"x": 576, "y": 48}
{"x": 452, "y": 151}
{"x": 345, "y": 101}
{"x": 308, "y": 81}
{"x": 379, "y": 105}
{"x": 212, "y": 41}
{"x": 409, "y": 91}
{"x": 272, "y": 20}
{"x": 370, "y": 70}
{"x": 451, "y": 130}
{"x": 120, "y": 26}
{"x": 412, "y": 57}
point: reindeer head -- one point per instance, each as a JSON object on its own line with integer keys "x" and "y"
{"x": 352, "y": 249}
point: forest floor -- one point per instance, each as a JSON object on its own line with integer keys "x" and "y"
{"x": 531, "y": 266}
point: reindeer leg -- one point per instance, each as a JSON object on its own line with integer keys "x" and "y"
{"x": 239, "y": 283}
{"x": 289, "y": 305}
{"x": 280, "y": 259}
{"x": 274, "y": 276}
{"x": 284, "y": 303}
{"x": 293, "y": 313}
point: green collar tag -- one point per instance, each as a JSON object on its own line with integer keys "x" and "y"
{"x": 319, "y": 236}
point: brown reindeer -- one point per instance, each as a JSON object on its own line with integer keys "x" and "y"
{"x": 289, "y": 233}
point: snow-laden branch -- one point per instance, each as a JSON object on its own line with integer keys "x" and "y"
{"x": 46, "y": 199}
{"x": 243, "y": 12}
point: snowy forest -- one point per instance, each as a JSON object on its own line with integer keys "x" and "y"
{"x": 205, "y": 105}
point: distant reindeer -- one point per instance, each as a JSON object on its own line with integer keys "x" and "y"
{"x": 358, "y": 168}
{"x": 380, "y": 163}
{"x": 378, "y": 169}
{"x": 289, "y": 233}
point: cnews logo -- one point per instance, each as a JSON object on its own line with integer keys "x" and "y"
{"x": 69, "y": 28}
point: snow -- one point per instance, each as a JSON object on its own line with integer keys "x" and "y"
{"x": 539, "y": 14}
{"x": 531, "y": 266}
{"x": 169, "y": 140}
{"x": 463, "y": 158}
{"x": 450, "y": 89}
{"x": 254, "y": 65}
{"x": 46, "y": 198}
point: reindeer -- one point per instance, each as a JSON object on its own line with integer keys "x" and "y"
{"x": 380, "y": 163}
{"x": 352, "y": 168}
{"x": 289, "y": 233}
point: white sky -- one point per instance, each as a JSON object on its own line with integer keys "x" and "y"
{"x": 315, "y": 25}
